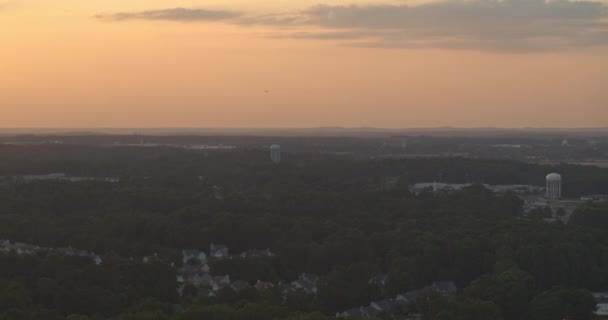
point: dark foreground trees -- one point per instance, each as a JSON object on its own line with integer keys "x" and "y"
{"x": 343, "y": 220}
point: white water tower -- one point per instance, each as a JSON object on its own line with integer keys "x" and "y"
{"x": 554, "y": 186}
{"x": 275, "y": 153}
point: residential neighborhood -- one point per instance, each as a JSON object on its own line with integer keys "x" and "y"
{"x": 30, "y": 249}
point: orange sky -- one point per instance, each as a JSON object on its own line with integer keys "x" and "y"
{"x": 74, "y": 63}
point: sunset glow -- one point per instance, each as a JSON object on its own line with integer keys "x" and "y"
{"x": 160, "y": 63}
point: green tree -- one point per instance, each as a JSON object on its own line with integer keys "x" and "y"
{"x": 512, "y": 290}
{"x": 77, "y": 317}
{"x": 345, "y": 288}
{"x": 563, "y": 303}
{"x": 13, "y": 295}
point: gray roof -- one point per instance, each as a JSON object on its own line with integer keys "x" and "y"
{"x": 444, "y": 287}
{"x": 379, "y": 280}
{"x": 222, "y": 279}
{"x": 409, "y": 296}
{"x": 264, "y": 285}
{"x": 352, "y": 313}
{"x": 384, "y": 305}
{"x": 218, "y": 247}
{"x": 600, "y": 296}
{"x": 309, "y": 277}
{"x": 370, "y": 311}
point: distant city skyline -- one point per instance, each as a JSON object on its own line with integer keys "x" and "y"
{"x": 333, "y": 63}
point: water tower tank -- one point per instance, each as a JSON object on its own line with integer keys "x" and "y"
{"x": 554, "y": 186}
{"x": 275, "y": 153}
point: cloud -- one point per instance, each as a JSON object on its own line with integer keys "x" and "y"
{"x": 460, "y": 14}
{"x": 500, "y": 25}
{"x": 488, "y": 25}
{"x": 173, "y": 14}
{"x": 338, "y": 35}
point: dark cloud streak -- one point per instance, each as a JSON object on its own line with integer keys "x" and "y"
{"x": 173, "y": 14}
{"x": 495, "y": 25}
{"x": 507, "y": 25}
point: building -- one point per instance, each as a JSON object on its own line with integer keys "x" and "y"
{"x": 261, "y": 285}
{"x": 601, "y": 298}
{"x": 218, "y": 251}
{"x": 190, "y": 256}
{"x": 275, "y": 153}
{"x": 554, "y": 186}
{"x": 306, "y": 282}
{"x": 437, "y": 187}
{"x": 43, "y": 177}
{"x": 445, "y": 288}
{"x": 220, "y": 282}
{"x": 391, "y": 308}
{"x": 254, "y": 253}
{"x": 521, "y": 189}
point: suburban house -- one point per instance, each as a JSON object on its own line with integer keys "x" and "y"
{"x": 445, "y": 288}
{"x": 193, "y": 255}
{"x": 306, "y": 282}
{"x": 379, "y": 281}
{"x": 29, "y": 249}
{"x": 386, "y": 309}
{"x": 220, "y": 282}
{"x": 261, "y": 285}
{"x": 257, "y": 253}
{"x": 218, "y": 251}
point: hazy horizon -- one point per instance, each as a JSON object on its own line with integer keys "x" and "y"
{"x": 311, "y": 132}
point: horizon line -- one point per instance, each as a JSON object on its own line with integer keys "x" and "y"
{"x": 302, "y": 128}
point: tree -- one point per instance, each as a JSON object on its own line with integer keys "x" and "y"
{"x": 77, "y": 317}
{"x": 433, "y": 306}
{"x": 512, "y": 290}
{"x": 345, "y": 288}
{"x": 563, "y": 303}
{"x": 13, "y": 295}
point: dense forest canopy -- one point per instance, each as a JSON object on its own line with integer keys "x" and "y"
{"x": 344, "y": 218}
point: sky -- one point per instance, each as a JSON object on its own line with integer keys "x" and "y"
{"x": 303, "y": 63}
